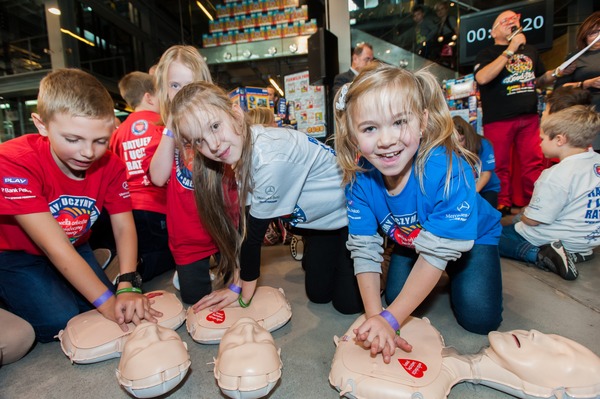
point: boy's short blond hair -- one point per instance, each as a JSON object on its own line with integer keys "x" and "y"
{"x": 73, "y": 92}
{"x": 579, "y": 124}
{"x": 134, "y": 86}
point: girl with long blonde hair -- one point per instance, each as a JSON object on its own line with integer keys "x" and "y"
{"x": 280, "y": 173}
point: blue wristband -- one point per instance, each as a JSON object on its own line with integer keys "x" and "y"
{"x": 102, "y": 298}
{"x": 167, "y": 132}
{"x": 235, "y": 288}
{"x": 390, "y": 319}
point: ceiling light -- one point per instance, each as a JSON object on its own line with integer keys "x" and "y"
{"x": 54, "y": 10}
{"x": 205, "y": 11}
{"x": 276, "y": 86}
{"x": 68, "y": 32}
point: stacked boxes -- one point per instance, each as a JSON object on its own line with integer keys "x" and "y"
{"x": 250, "y": 97}
{"x": 254, "y": 20}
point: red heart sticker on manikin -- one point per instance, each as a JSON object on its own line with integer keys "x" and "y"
{"x": 216, "y": 317}
{"x": 415, "y": 368}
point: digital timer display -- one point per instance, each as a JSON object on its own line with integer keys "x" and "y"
{"x": 537, "y": 20}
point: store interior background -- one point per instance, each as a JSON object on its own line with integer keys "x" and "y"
{"x": 129, "y": 35}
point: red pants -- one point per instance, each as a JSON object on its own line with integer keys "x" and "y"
{"x": 521, "y": 136}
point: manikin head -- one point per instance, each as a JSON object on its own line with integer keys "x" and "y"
{"x": 544, "y": 359}
{"x": 154, "y": 361}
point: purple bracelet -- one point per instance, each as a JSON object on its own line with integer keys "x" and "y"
{"x": 167, "y": 132}
{"x": 390, "y": 319}
{"x": 102, "y": 298}
{"x": 235, "y": 288}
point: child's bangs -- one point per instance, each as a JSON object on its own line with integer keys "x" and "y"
{"x": 390, "y": 99}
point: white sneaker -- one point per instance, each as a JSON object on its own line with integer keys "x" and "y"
{"x": 176, "y": 281}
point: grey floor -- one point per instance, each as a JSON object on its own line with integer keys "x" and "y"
{"x": 533, "y": 299}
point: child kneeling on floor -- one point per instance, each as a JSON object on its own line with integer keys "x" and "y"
{"x": 561, "y": 224}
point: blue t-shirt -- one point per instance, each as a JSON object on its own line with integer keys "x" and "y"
{"x": 462, "y": 214}
{"x": 488, "y": 163}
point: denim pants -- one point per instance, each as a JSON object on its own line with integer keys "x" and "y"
{"x": 33, "y": 289}
{"x": 513, "y": 245}
{"x": 475, "y": 285}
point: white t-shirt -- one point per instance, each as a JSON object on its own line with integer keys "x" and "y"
{"x": 296, "y": 177}
{"x": 566, "y": 200}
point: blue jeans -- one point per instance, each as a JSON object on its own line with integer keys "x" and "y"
{"x": 33, "y": 289}
{"x": 513, "y": 245}
{"x": 475, "y": 285}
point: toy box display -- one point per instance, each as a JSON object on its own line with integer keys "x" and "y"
{"x": 250, "y": 97}
{"x": 255, "y": 20}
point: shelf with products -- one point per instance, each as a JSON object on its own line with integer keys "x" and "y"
{"x": 258, "y": 20}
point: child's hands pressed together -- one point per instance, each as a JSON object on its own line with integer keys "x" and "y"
{"x": 129, "y": 308}
{"x": 376, "y": 333}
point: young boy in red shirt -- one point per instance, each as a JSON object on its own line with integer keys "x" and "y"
{"x": 52, "y": 188}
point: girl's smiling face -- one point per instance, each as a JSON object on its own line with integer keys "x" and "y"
{"x": 388, "y": 136}
{"x": 215, "y": 133}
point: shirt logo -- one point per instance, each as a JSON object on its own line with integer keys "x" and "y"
{"x": 464, "y": 206}
{"x": 15, "y": 180}
{"x": 74, "y": 214}
{"x": 597, "y": 169}
{"x": 139, "y": 127}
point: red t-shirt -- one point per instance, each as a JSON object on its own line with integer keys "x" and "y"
{"x": 188, "y": 239}
{"x": 135, "y": 142}
{"x": 32, "y": 182}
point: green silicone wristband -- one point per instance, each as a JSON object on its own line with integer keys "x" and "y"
{"x": 129, "y": 289}
{"x": 242, "y": 303}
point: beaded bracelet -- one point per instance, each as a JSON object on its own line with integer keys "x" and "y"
{"x": 235, "y": 288}
{"x": 242, "y": 303}
{"x": 102, "y": 298}
{"x": 391, "y": 320}
{"x": 129, "y": 289}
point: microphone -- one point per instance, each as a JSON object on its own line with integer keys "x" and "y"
{"x": 515, "y": 31}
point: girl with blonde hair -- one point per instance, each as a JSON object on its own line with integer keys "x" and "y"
{"x": 408, "y": 176}
{"x": 191, "y": 242}
{"x": 281, "y": 173}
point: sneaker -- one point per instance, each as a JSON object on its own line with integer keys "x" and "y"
{"x": 103, "y": 256}
{"x": 580, "y": 257}
{"x": 297, "y": 247}
{"x": 176, "y": 281}
{"x": 555, "y": 258}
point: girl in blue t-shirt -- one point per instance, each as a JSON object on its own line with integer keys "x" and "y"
{"x": 413, "y": 182}
{"x": 487, "y": 182}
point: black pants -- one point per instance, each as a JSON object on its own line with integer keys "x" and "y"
{"x": 330, "y": 270}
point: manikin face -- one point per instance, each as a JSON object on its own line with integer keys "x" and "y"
{"x": 545, "y": 359}
{"x": 245, "y": 332}
{"x": 178, "y": 75}
{"x": 76, "y": 142}
{"x": 216, "y": 135}
{"x": 148, "y": 342}
{"x": 388, "y": 137}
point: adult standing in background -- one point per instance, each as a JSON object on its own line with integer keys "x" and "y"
{"x": 447, "y": 32}
{"x": 508, "y": 73}
{"x": 587, "y": 71}
{"x": 362, "y": 55}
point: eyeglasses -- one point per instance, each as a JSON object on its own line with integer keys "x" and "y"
{"x": 507, "y": 21}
